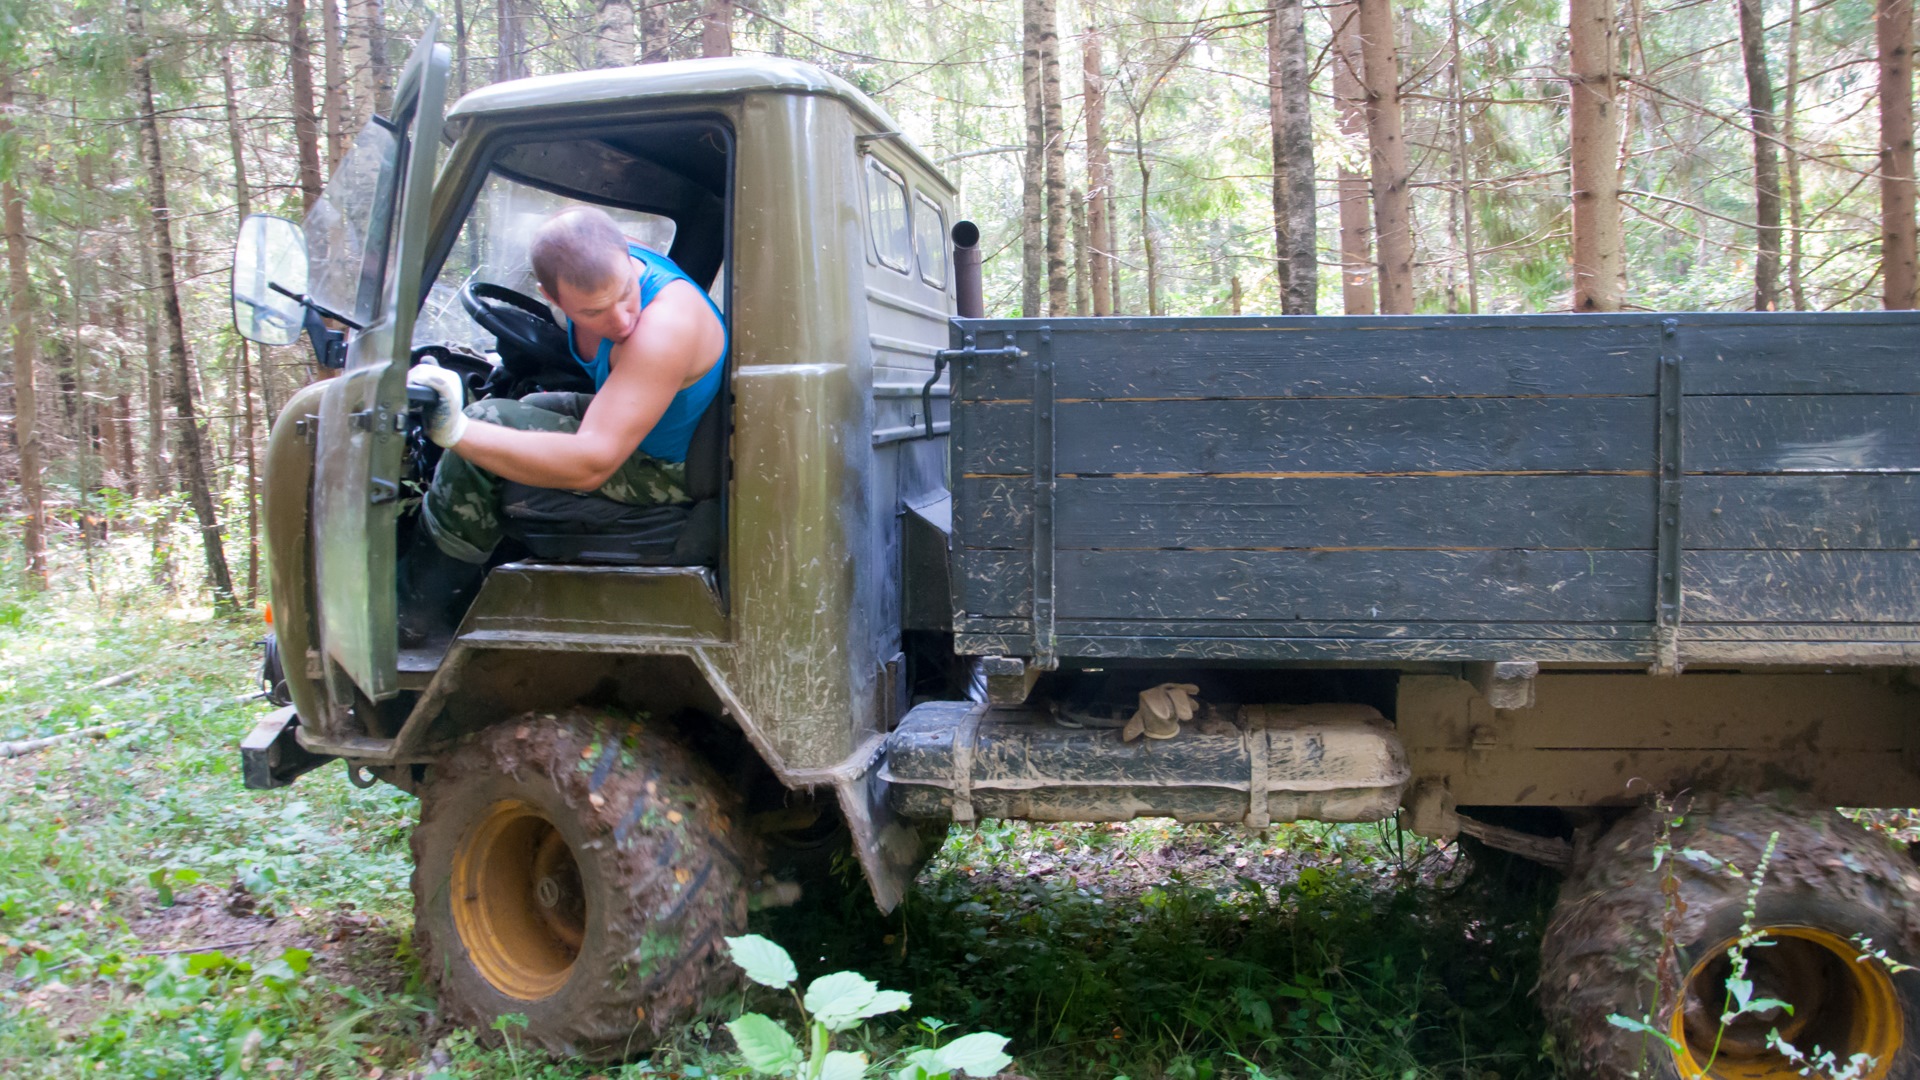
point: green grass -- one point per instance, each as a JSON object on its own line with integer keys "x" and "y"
{"x": 1143, "y": 950}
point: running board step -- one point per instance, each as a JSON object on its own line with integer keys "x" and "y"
{"x": 1249, "y": 763}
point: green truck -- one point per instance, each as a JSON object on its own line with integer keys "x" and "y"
{"x": 1530, "y": 580}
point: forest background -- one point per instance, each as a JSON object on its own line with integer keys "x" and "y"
{"x": 1122, "y": 157}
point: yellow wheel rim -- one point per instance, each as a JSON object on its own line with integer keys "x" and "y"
{"x": 518, "y": 904}
{"x": 1841, "y": 1004}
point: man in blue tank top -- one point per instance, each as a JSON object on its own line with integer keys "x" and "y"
{"x": 659, "y": 347}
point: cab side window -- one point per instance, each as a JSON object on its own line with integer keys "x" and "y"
{"x": 888, "y": 218}
{"x": 930, "y": 240}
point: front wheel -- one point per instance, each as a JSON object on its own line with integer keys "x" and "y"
{"x": 580, "y": 870}
{"x": 1638, "y": 973}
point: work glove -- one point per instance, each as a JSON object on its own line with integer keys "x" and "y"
{"x": 445, "y": 421}
{"x": 1162, "y": 710}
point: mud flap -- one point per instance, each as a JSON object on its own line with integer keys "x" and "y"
{"x": 270, "y": 756}
{"x": 887, "y": 845}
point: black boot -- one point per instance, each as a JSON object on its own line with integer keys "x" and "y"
{"x": 435, "y": 588}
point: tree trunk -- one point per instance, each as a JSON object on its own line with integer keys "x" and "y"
{"x": 1462, "y": 163}
{"x": 613, "y": 37}
{"x": 377, "y": 55}
{"x": 716, "y": 28}
{"x": 243, "y": 199}
{"x": 460, "y": 58}
{"x": 1099, "y": 178}
{"x": 1356, "y": 211}
{"x": 26, "y": 404}
{"x": 1796, "y": 218}
{"x": 333, "y": 95}
{"x": 1148, "y": 256}
{"x": 1392, "y": 220}
{"x": 511, "y": 63}
{"x": 360, "y": 19}
{"x": 306, "y": 131}
{"x": 166, "y": 281}
{"x": 1033, "y": 207}
{"x": 1599, "y": 265}
{"x": 1893, "y": 32}
{"x": 1082, "y": 297}
{"x": 1296, "y": 232}
{"x": 158, "y": 463}
{"x": 655, "y": 41}
{"x": 1766, "y": 157}
{"x": 1055, "y": 135}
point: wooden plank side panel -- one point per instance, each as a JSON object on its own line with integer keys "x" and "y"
{"x": 1801, "y": 586}
{"x": 1863, "y": 353}
{"x": 994, "y": 512}
{"x": 996, "y": 439}
{"x": 1601, "y": 512}
{"x": 1814, "y": 513}
{"x": 1324, "y": 357}
{"x": 1391, "y": 435}
{"x": 1802, "y": 433}
{"x": 994, "y": 584}
{"x": 1377, "y": 586}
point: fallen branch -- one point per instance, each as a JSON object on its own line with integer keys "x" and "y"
{"x": 114, "y": 680}
{"x": 22, "y": 747}
{"x": 223, "y": 947}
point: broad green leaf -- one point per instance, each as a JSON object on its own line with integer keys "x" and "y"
{"x": 887, "y": 1001}
{"x": 297, "y": 959}
{"x": 763, "y": 961}
{"x": 764, "y": 1045}
{"x": 840, "y": 1000}
{"x": 1628, "y": 1023}
{"x": 920, "y": 1065}
{"x": 842, "y": 1065}
{"x": 979, "y": 1054}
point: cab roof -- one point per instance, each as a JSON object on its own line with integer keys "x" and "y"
{"x": 717, "y": 77}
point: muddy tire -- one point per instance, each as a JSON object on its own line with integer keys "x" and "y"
{"x": 1828, "y": 883}
{"x": 580, "y": 870}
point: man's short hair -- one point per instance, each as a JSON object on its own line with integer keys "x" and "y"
{"x": 580, "y": 246}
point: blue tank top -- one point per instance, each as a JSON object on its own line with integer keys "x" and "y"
{"x": 670, "y": 435}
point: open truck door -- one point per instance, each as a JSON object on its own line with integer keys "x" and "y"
{"x": 356, "y": 262}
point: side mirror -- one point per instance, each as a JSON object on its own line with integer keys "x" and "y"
{"x": 269, "y": 275}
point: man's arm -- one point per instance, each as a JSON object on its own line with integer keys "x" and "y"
{"x": 676, "y": 335}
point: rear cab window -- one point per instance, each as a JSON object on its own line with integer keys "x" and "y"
{"x": 887, "y": 217}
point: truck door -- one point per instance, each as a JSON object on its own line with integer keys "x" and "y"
{"x": 362, "y": 420}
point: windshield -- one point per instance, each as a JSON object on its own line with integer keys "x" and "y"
{"x": 493, "y": 246}
{"x": 350, "y": 225}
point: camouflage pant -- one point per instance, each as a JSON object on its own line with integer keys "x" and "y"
{"x": 462, "y": 507}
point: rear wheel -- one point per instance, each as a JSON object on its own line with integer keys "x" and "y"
{"x": 1660, "y": 947}
{"x": 580, "y": 870}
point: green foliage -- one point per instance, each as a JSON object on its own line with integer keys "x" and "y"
{"x": 837, "y": 1003}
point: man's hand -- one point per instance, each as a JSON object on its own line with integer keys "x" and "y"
{"x": 446, "y": 423}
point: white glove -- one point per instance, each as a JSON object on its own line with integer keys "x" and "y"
{"x": 446, "y": 423}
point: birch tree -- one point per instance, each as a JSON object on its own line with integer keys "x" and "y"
{"x": 1295, "y": 199}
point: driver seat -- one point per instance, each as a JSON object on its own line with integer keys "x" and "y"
{"x": 564, "y": 526}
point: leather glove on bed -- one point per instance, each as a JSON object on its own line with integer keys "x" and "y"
{"x": 1162, "y": 710}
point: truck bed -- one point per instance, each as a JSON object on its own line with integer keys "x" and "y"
{"x": 1642, "y": 489}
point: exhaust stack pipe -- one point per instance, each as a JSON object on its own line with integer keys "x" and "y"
{"x": 966, "y": 271}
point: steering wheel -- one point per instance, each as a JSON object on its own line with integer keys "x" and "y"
{"x": 529, "y": 337}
